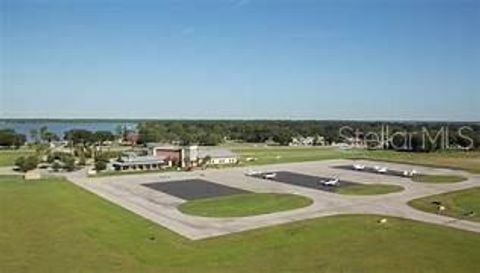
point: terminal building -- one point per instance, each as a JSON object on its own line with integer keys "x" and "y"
{"x": 192, "y": 155}
{"x": 162, "y": 156}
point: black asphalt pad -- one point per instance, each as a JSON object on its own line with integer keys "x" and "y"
{"x": 194, "y": 189}
{"x": 308, "y": 181}
{"x": 371, "y": 170}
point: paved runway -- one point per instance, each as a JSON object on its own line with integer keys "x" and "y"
{"x": 159, "y": 207}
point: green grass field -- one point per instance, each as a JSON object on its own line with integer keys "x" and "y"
{"x": 368, "y": 189}
{"x": 279, "y": 154}
{"x": 469, "y": 161}
{"x": 244, "y": 204}
{"x": 426, "y": 178}
{"x": 53, "y": 226}
{"x": 458, "y": 204}
{"x": 8, "y": 157}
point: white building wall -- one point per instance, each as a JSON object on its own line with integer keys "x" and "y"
{"x": 223, "y": 160}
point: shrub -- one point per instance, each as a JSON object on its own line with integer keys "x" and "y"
{"x": 82, "y": 161}
{"x": 69, "y": 163}
{"x": 26, "y": 164}
{"x": 101, "y": 160}
{"x": 100, "y": 165}
{"x": 57, "y": 156}
{"x": 20, "y": 161}
{"x": 30, "y": 163}
{"x": 56, "y": 166}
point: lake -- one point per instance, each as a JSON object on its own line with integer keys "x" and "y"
{"x": 60, "y": 127}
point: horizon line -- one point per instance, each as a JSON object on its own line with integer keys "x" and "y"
{"x": 231, "y": 119}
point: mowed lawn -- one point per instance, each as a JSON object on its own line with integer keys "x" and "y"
{"x": 469, "y": 161}
{"x": 369, "y": 189}
{"x": 282, "y": 154}
{"x": 426, "y": 178}
{"x": 53, "y": 226}
{"x": 463, "y": 204}
{"x": 8, "y": 157}
{"x": 240, "y": 205}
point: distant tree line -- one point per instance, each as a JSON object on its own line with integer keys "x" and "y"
{"x": 411, "y": 136}
{"x": 419, "y": 136}
{"x": 10, "y": 138}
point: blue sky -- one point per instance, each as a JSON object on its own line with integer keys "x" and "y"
{"x": 283, "y": 59}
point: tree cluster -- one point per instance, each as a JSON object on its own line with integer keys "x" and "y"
{"x": 205, "y": 132}
{"x": 43, "y": 135}
{"x": 101, "y": 161}
{"x": 10, "y": 138}
{"x": 60, "y": 160}
{"x": 85, "y": 137}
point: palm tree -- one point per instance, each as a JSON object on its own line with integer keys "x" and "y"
{"x": 43, "y": 133}
{"x": 205, "y": 161}
{"x": 34, "y": 135}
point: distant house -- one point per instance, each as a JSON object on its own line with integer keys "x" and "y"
{"x": 307, "y": 141}
{"x": 131, "y": 138}
{"x": 320, "y": 141}
{"x": 58, "y": 144}
{"x": 356, "y": 142}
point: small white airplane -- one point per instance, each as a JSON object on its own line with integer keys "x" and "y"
{"x": 331, "y": 182}
{"x": 381, "y": 169}
{"x": 269, "y": 175}
{"x": 409, "y": 173}
{"x": 252, "y": 172}
{"x": 358, "y": 167}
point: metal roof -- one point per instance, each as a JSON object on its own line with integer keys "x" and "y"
{"x": 203, "y": 151}
{"x": 215, "y": 153}
{"x": 138, "y": 160}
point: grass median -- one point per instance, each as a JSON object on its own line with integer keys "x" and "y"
{"x": 438, "y": 178}
{"x": 368, "y": 189}
{"x": 244, "y": 204}
{"x": 463, "y": 204}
